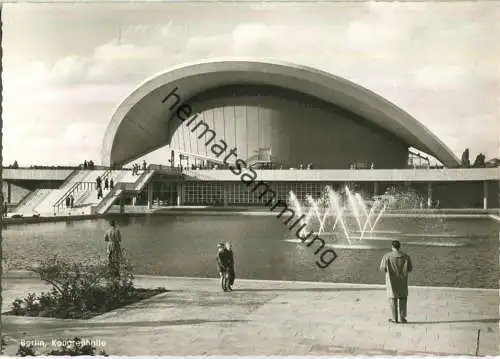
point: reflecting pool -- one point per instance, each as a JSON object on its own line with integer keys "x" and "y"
{"x": 185, "y": 245}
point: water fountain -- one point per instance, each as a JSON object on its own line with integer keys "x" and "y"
{"x": 344, "y": 219}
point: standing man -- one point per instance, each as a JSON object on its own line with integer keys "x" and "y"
{"x": 113, "y": 239}
{"x": 231, "y": 273}
{"x": 223, "y": 266}
{"x": 396, "y": 266}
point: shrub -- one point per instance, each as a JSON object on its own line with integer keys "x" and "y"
{"x": 76, "y": 349}
{"x": 25, "y": 350}
{"x": 78, "y": 289}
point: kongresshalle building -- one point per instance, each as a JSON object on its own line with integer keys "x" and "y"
{"x": 234, "y": 123}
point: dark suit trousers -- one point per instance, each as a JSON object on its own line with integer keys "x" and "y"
{"x": 398, "y": 303}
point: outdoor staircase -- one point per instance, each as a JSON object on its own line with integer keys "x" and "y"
{"x": 82, "y": 186}
{"x": 46, "y": 206}
{"x": 30, "y": 202}
{"x": 81, "y": 190}
{"x": 127, "y": 183}
{"x": 89, "y": 198}
{"x": 109, "y": 199}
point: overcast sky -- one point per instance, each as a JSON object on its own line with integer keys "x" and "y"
{"x": 68, "y": 66}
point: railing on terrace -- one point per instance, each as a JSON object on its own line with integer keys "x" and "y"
{"x": 42, "y": 167}
{"x": 152, "y": 167}
{"x": 77, "y": 187}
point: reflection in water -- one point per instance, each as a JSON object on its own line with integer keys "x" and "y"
{"x": 186, "y": 246}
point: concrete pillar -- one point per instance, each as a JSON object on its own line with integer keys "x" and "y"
{"x": 429, "y": 194}
{"x": 150, "y": 195}
{"x": 179, "y": 193}
{"x": 407, "y": 186}
{"x": 225, "y": 195}
{"x": 122, "y": 203}
{"x": 485, "y": 195}
{"x": 9, "y": 190}
{"x": 375, "y": 189}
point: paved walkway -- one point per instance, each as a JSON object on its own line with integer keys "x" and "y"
{"x": 274, "y": 318}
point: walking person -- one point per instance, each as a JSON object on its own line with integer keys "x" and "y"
{"x": 113, "y": 239}
{"x": 71, "y": 201}
{"x": 223, "y": 265}
{"x": 5, "y": 209}
{"x": 396, "y": 266}
{"x": 106, "y": 183}
{"x": 231, "y": 273}
{"x": 98, "y": 182}
{"x": 111, "y": 183}
{"x": 99, "y": 193}
{"x": 67, "y": 200}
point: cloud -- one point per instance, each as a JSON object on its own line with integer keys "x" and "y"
{"x": 82, "y": 134}
{"x": 441, "y": 77}
{"x": 442, "y": 72}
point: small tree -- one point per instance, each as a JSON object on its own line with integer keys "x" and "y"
{"x": 480, "y": 161}
{"x": 465, "y": 159}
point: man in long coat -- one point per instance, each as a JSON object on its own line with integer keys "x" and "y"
{"x": 230, "y": 257}
{"x": 223, "y": 265}
{"x": 396, "y": 266}
{"x": 113, "y": 240}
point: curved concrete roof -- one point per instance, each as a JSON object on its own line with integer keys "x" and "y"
{"x": 140, "y": 123}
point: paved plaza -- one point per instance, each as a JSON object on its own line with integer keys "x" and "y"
{"x": 273, "y": 318}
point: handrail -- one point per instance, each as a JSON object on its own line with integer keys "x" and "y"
{"x": 63, "y": 197}
{"x": 77, "y": 186}
{"x": 70, "y": 177}
{"x": 146, "y": 173}
{"x": 108, "y": 196}
{"x": 106, "y": 174}
{"x": 26, "y": 199}
{"x": 119, "y": 187}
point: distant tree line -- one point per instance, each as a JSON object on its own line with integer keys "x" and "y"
{"x": 480, "y": 161}
{"x": 15, "y": 165}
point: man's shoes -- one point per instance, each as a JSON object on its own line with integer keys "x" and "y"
{"x": 404, "y": 321}
{"x": 393, "y": 321}
{"x": 229, "y": 288}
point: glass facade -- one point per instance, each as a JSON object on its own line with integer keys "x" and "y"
{"x": 202, "y": 193}
{"x": 237, "y": 193}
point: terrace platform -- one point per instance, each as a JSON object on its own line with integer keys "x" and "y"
{"x": 273, "y": 318}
